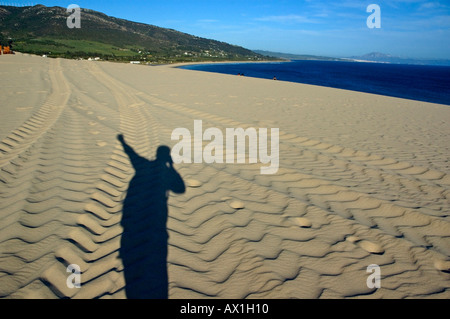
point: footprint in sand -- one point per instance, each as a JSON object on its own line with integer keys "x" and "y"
{"x": 442, "y": 265}
{"x": 237, "y": 204}
{"x": 302, "y": 222}
{"x": 353, "y": 239}
{"x": 371, "y": 247}
{"x": 193, "y": 183}
{"x": 101, "y": 144}
{"x": 368, "y": 246}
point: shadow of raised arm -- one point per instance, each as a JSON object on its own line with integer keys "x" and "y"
{"x": 136, "y": 160}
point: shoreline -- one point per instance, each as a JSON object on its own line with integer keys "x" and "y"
{"x": 177, "y": 65}
{"x": 362, "y": 90}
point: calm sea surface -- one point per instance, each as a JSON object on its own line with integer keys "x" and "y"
{"x": 416, "y": 82}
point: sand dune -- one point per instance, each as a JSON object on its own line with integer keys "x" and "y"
{"x": 363, "y": 179}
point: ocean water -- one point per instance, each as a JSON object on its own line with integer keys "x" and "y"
{"x": 417, "y": 82}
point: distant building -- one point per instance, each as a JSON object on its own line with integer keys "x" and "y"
{"x": 135, "y": 62}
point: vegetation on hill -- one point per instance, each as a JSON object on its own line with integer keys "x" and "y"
{"x": 43, "y": 30}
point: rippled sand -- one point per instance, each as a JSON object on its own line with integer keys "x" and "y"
{"x": 363, "y": 179}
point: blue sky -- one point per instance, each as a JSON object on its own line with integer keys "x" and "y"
{"x": 409, "y": 28}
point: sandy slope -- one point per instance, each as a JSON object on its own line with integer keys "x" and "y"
{"x": 363, "y": 180}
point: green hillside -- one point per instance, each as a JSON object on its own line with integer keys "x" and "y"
{"x": 43, "y": 30}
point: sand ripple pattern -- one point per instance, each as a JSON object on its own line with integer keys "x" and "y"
{"x": 309, "y": 231}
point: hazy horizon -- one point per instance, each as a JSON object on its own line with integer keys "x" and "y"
{"x": 409, "y": 28}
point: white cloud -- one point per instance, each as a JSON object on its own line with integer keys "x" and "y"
{"x": 432, "y": 5}
{"x": 207, "y": 21}
{"x": 290, "y": 18}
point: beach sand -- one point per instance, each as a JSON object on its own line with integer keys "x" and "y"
{"x": 363, "y": 179}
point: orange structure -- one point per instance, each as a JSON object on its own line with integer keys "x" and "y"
{"x": 7, "y": 50}
{"x": 1, "y": 51}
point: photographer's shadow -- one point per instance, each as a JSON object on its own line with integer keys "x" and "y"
{"x": 144, "y": 240}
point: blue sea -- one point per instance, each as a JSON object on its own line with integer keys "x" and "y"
{"x": 417, "y": 82}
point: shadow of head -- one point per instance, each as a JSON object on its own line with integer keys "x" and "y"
{"x": 163, "y": 154}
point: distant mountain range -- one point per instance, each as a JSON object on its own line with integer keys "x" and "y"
{"x": 289, "y": 56}
{"x": 370, "y": 57}
{"x": 387, "y": 58}
{"x": 43, "y": 30}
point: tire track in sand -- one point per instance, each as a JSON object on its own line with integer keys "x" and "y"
{"x": 97, "y": 246}
{"x": 305, "y": 232}
{"x": 20, "y": 139}
{"x": 317, "y": 192}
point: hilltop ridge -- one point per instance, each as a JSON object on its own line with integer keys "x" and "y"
{"x": 43, "y": 30}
